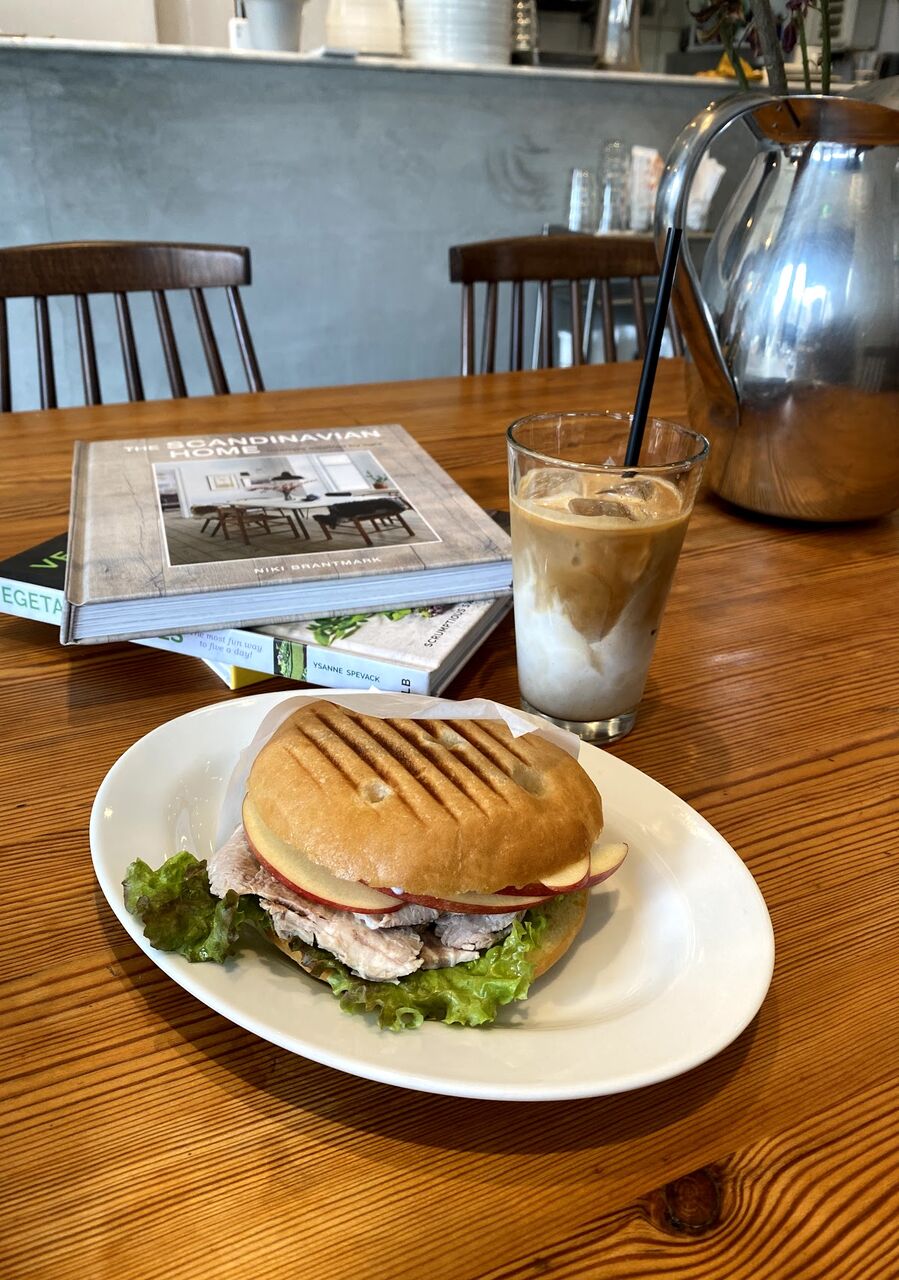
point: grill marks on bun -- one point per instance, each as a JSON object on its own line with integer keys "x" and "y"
{"x": 436, "y": 806}
{"x": 356, "y": 754}
{"x": 377, "y": 759}
{"x": 435, "y": 756}
{"x": 470, "y": 771}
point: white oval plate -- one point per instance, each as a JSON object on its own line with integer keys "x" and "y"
{"x": 673, "y": 961}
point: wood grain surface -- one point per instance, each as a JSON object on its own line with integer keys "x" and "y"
{"x": 143, "y": 1135}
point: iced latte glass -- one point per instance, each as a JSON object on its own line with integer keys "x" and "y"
{"x": 594, "y": 549}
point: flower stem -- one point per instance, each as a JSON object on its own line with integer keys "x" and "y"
{"x": 727, "y": 37}
{"x": 803, "y": 45}
{"x": 825, "y": 46}
{"x": 771, "y": 50}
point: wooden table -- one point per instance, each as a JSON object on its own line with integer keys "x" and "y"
{"x": 146, "y": 1136}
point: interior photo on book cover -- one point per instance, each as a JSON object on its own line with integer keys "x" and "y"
{"x": 223, "y": 509}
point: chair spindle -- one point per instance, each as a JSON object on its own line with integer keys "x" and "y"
{"x": 133, "y": 379}
{"x": 169, "y": 346}
{"x": 244, "y": 340}
{"x": 5, "y": 367}
{"x": 577, "y": 336}
{"x": 546, "y": 324}
{"x": 589, "y": 313}
{"x": 468, "y": 329}
{"x": 210, "y": 346}
{"x": 46, "y": 374}
{"x": 488, "y": 355}
{"x": 610, "y": 351}
{"x": 89, "y": 375}
{"x": 516, "y": 331}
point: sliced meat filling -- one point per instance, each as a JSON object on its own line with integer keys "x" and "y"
{"x": 381, "y": 955}
{"x": 381, "y": 948}
{"x": 434, "y": 955}
{"x": 411, "y": 914}
{"x": 473, "y": 933}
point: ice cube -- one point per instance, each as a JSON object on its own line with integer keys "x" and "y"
{"x": 600, "y": 507}
{"x": 548, "y": 482}
{"x": 642, "y": 489}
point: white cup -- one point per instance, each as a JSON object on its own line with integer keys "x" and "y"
{"x": 274, "y": 24}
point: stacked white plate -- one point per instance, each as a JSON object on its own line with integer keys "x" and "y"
{"x": 458, "y": 30}
{"x": 365, "y": 26}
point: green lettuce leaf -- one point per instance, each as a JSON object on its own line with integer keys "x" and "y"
{"x": 179, "y": 912}
{"x": 468, "y": 994}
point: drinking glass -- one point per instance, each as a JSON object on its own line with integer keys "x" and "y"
{"x": 582, "y": 210}
{"x": 616, "y": 42}
{"x": 614, "y": 186}
{"x": 594, "y": 548}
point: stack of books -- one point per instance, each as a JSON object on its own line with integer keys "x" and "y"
{"x": 344, "y": 557}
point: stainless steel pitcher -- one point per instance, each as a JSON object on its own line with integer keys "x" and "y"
{"x": 793, "y": 331}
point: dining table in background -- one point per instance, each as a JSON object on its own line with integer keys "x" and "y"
{"x": 314, "y": 506}
{"x": 296, "y": 511}
{"x": 145, "y": 1135}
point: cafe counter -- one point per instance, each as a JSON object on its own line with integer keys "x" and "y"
{"x": 348, "y": 181}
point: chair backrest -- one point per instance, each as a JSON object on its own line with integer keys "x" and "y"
{"x": 572, "y": 259}
{"x": 81, "y": 268}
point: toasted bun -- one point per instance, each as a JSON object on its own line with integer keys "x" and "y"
{"x": 433, "y": 807}
{"x": 566, "y": 915}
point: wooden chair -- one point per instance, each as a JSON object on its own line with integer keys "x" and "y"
{"x": 43, "y": 271}
{"x": 380, "y": 513}
{"x": 209, "y": 515}
{"x": 572, "y": 259}
{"x": 243, "y": 520}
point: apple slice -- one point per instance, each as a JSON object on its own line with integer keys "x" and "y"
{"x": 604, "y": 860}
{"x": 568, "y": 880}
{"x": 307, "y": 878}
{"x": 477, "y": 903}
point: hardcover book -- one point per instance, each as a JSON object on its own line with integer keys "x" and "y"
{"x": 189, "y": 534}
{"x": 399, "y": 650}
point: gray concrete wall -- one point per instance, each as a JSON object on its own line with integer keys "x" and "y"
{"x": 347, "y": 183}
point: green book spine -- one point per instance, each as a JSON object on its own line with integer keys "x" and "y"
{"x": 31, "y": 583}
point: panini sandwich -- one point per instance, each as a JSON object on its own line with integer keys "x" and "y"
{"x": 422, "y": 868}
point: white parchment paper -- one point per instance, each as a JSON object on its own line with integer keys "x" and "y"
{"x": 407, "y": 706}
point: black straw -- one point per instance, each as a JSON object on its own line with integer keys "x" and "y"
{"x": 653, "y": 346}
